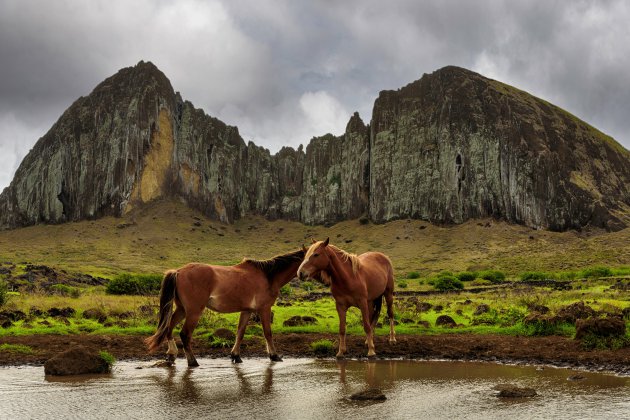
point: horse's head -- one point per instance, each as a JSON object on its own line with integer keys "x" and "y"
{"x": 315, "y": 260}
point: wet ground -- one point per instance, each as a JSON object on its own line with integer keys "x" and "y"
{"x": 557, "y": 351}
{"x": 312, "y": 389}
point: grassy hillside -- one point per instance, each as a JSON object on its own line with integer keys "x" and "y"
{"x": 167, "y": 234}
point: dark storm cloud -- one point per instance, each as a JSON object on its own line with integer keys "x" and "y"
{"x": 284, "y": 71}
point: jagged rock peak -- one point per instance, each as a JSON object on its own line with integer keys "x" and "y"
{"x": 448, "y": 147}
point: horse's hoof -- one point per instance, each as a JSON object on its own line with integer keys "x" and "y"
{"x": 340, "y": 356}
{"x": 371, "y": 355}
{"x": 170, "y": 358}
{"x": 275, "y": 358}
{"x": 193, "y": 364}
{"x": 236, "y": 358}
{"x": 392, "y": 341}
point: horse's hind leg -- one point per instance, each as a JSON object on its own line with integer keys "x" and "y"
{"x": 178, "y": 315}
{"x": 265, "y": 319}
{"x": 186, "y": 335}
{"x": 389, "y": 299}
{"x": 235, "y": 354}
{"x": 367, "y": 328}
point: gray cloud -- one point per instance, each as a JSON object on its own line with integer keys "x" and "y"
{"x": 285, "y": 71}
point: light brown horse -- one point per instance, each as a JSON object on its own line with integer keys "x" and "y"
{"x": 251, "y": 286}
{"x": 360, "y": 281}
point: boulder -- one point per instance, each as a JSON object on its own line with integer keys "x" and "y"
{"x": 600, "y": 327}
{"x": 513, "y": 391}
{"x": 298, "y": 320}
{"x": 224, "y": 334}
{"x": 372, "y": 394}
{"x": 76, "y": 361}
{"x": 445, "y": 321}
{"x": 95, "y": 313}
{"x": 481, "y": 309}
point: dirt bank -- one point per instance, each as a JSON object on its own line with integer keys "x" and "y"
{"x": 557, "y": 351}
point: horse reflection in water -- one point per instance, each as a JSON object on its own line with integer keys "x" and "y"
{"x": 189, "y": 389}
{"x": 251, "y": 286}
{"x": 361, "y": 281}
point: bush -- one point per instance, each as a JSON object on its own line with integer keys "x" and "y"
{"x": 64, "y": 290}
{"x": 413, "y": 275}
{"x": 286, "y": 290}
{"x": 322, "y": 347}
{"x": 533, "y": 275}
{"x": 134, "y": 284}
{"x": 494, "y": 276}
{"x": 108, "y": 358}
{"x": 446, "y": 282}
{"x": 402, "y": 284}
{"x": 308, "y": 286}
{"x": 4, "y": 293}
{"x": 597, "y": 272}
{"x": 466, "y": 276}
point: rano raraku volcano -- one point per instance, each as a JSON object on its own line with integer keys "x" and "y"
{"x": 449, "y": 147}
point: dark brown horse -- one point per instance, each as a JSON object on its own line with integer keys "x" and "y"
{"x": 360, "y": 281}
{"x": 251, "y": 286}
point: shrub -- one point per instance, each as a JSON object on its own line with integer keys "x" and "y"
{"x": 108, "y": 358}
{"x": 64, "y": 290}
{"x": 4, "y": 293}
{"x": 402, "y": 284}
{"x": 466, "y": 276}
{"x": 597, "y": 272}
{"x": 595, "y": 342}
{"x": 413, "y": 275}
{"x": 534, "y": 275}
{"x": 322, "y": 347}
{"x": 134, "y": 284}
{"x": 494, "y": 276}
{"x": 308, "y": 286}
{"x": 447, "y": 282}
{"x": 286, "y": 290}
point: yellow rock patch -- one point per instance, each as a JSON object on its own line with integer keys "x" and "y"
{"x": 190, "y": 180}
{"x": 156, "y": 163}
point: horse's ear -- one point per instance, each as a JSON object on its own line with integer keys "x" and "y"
{"x": 326, "y": 241}
{"x": 313, "y": 240}
{"x": 304, "y": 248}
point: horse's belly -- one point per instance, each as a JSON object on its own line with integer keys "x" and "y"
{"x": 219, "y": 303}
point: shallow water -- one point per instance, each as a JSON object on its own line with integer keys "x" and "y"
{"x": 311, "y": 389}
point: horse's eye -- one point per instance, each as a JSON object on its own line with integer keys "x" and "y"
{"x": 315, "y": 255}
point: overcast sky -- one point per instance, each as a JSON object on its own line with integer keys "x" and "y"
{"x": 285, "y": 71}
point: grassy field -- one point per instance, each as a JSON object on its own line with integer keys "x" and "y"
{"x": 167, "y": 234}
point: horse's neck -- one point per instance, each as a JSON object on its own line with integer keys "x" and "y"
{"x": 339, "y": 269}
{"x": 285, "y": 276}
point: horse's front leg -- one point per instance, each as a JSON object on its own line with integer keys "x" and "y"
{"x": 341, "y": 311}
{"x": 365, "y": 314}
{"x": 235, "y": 354}
{"x": 265, "y": 319}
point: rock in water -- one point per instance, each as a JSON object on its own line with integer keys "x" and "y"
{"x": 76, "y": 361}
{"x": 372, "y": 394}
{"x": 449, "y": 147}
{"x": 512, "y": 391}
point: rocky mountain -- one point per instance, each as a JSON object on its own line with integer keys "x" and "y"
{"x": 449, "y": 147}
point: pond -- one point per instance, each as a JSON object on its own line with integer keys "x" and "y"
{"x": 312, "y": 389}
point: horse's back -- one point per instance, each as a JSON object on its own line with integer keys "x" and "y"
{"x": 378, "y": 273}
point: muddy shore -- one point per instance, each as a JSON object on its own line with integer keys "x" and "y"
{"x": 554, "y": 351}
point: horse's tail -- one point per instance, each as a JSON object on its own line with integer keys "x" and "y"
{"x": 167, "y": 294}
{"x": 378, "y": 302}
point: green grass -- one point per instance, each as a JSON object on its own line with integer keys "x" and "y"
{"x": 16, "y": 348}
{"x": 323, "y": 347}
{"x": 108, "y": 357}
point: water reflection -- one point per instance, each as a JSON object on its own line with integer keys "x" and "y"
{"x": 302, "y": 388}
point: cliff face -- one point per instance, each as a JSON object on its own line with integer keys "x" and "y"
{"x": 446, "y": 148}
{"x": 454, "y": 146}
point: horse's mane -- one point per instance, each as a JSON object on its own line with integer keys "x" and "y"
{"x": 276, "y": 264}
{"x": 347, "y": 256}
